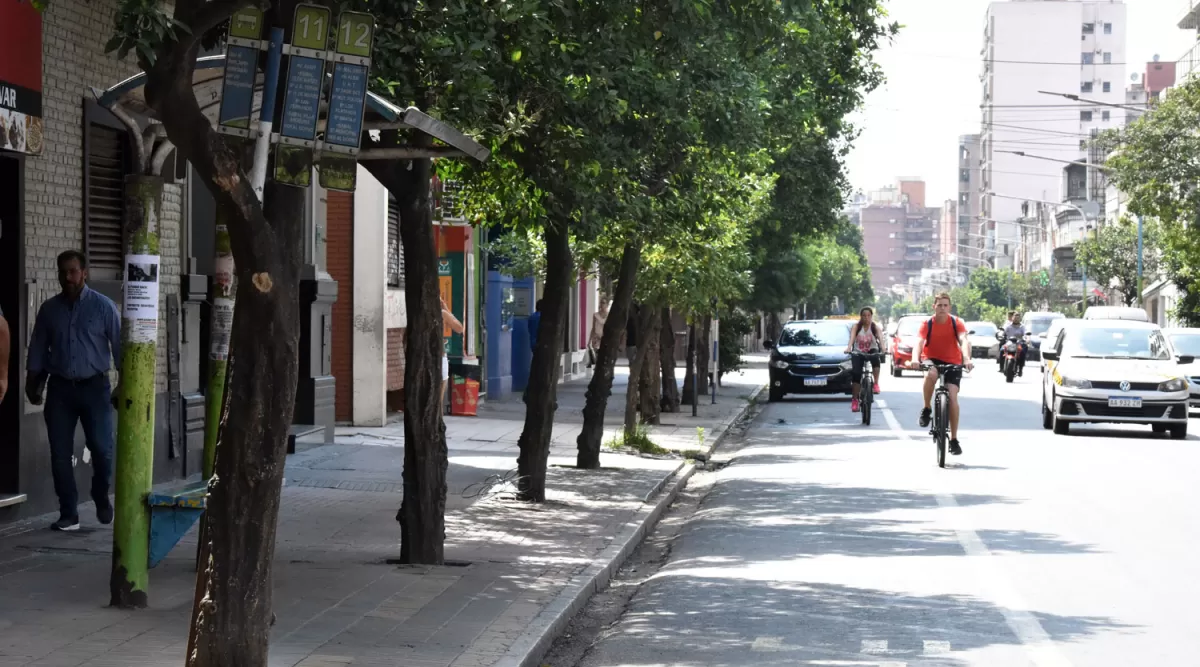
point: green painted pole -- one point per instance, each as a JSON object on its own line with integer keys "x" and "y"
{"x": 221, "y": 324}
{"x": 129, "y": 581}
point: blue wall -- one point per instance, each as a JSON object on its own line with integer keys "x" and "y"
{"x": 522, "y": 356}
{"x": 499, "y": 338}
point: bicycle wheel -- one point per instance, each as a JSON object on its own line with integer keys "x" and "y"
{"x": 941, "y": 424}
{"x": 867, "y": 397}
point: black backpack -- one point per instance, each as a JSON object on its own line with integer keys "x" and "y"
{"x": 929, "y": 328}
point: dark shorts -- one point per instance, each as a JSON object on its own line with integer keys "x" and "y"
{"x": 953, "y": 375}
{"x": 856, "y": 367}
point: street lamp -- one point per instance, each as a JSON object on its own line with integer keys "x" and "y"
{"x": 1073, "y": 207}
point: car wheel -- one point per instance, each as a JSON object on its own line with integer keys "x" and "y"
{"x": 1178, "y": 431}
{"x": 774, "y": 395}
{"x": 1047, "y": 415}
{"x": 1159, "y": 428}
{"x": 896, "y": 372}
{"x": 1061, "y": 427}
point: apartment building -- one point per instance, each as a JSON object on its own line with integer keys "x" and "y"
{"x": 900, "y": 235}
{"x": 1189, "y": 64}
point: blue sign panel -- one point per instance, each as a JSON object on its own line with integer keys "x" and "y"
{"x": 302, "y": 98}
{"x": 346, "y": 100}
{"x": 237, "y": 91}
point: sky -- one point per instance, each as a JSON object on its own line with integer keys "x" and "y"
{"x": 910, "y": 125}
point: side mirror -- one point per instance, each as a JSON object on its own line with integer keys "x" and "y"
{"x": 971, "y": 332}
{"x": 1042, "y": 335}
{"x": 1049, "y": 355}
{"x": 1185, "y": 359}
{"x": 769, "y": 344}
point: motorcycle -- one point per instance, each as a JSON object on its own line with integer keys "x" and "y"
{"x": 1010, "y": 354}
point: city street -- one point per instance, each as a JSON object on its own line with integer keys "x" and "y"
{"x": 824, "y": 542}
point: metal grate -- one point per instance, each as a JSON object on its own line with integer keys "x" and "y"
{"x": 395, "y": 267}
{"x": 104, "y": 224}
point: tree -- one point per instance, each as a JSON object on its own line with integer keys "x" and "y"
{"x": 1111, "y": 257}
{"x": 1153, "y": 163}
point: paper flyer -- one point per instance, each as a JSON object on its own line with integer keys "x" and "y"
{"x": 222, "y": 313}
{"x": 141, "y": 297}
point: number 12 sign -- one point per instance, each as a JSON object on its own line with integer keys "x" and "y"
{"x": 347, "y": 100}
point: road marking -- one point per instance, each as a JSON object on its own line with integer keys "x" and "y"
{"x": 854, "y": 663}
{"x": 874, "y": 646}
{"x": 767, "y": 644}
{"x": 936, "y": 647}
{"x": 1016, "y": 610}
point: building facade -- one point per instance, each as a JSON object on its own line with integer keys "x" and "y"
{"x": 1189, "y": 64}
{"x": 62, "y": 170}
{"x": 1079, "y": 47}
{"x": 970, "y": 237}
{"x": 900, "y": 235}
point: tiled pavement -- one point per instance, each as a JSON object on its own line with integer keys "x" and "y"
{"x": 517, "y": 572}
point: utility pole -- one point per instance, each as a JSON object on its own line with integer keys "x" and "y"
{"x": 1139, "y": 250}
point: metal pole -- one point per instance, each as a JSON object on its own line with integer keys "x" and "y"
{"x": 695, "y": 371}
{"x": 714, "y": 360}
{"x": 1139, "y": 284}
{"x": 1085, "y": 294}
{"x": 266, "y": 117}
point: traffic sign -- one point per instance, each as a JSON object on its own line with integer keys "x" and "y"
{"x": 347, "y": 100}
{"x": 241, "y": 68}
{"x": 302, "y": 96}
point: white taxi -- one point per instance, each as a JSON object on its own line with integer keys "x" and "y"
{"x": 1115, "y": 371}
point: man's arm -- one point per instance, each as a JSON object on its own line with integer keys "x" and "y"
{"x": 964, "y": 344}
{"x": 5, "y": 341}
{"x": 113, "y": 329}
{"x": 916, "y": 355}
{"x": 37, "y": 358}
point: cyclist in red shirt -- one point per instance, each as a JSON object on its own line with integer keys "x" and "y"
{"x": 943, "y": 342}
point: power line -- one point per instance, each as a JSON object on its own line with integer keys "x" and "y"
{"x": 1065, "y": 63}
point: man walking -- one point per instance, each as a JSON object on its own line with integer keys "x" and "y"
{"x": 5, "y": 341}
{"x": 76, "y": 337}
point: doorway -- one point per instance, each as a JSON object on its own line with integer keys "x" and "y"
{"x": 11, "y": 265}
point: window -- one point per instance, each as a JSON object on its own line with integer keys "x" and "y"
{"x": 107, "y": 162}
{"x": 1107, "y": 58}
{"x": 1108, "y": 28}
{"x": 892, "y": 235}
{"x": 964, "y": 198}
{"x": 1105, "y": 115}
{"x": 964, "y": 175}
{"x": 1085, "y": 116}
{"x": 1087, "y": 58}
{"x": 395, "y": 249}
{"x": 1085, "y": 87}
{"x": 1089, "y": 28}
{"x": 1107, "y": 87}
{"x": 1083, "y": 144}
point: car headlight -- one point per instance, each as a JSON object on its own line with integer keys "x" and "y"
{"x": 847, "y": 365}
{"x": 780, "y": 364}
{"x": 1076, "y": 383}
{"x": 1177, "y": 384}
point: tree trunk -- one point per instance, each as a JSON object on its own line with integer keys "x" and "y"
{"x": 534, "y": 443}
{"x": 135, "y": 410}
{"x": 234, "y": 620}
{"x": 650, "y": 382}
{"x": 703, "y": 354}
{"x": 666, "y": 356}
{"x": 600, "y": 386}
{"x": 689, "y": 394}
{"x": 637, "y": 365}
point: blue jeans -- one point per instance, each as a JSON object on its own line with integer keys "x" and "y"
{"x": 67, "y": 403}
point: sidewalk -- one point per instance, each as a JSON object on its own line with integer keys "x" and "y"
{"x": 515, "y": 575}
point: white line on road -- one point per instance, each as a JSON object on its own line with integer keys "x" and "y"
{"x": 874, "y": 646}
{"x": 767, "y": 644}
{"x": 1017, "y": 614}
{"x": 936, "y": 647}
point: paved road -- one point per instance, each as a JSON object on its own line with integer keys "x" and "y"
{"x": 824, "y": 543}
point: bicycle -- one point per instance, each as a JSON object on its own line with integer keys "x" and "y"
{"x": 866, "y": 388}
{"x": 940, "y": 428}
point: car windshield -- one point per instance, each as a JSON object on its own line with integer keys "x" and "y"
{"x": 909, "y": 327}
{"x": 820, "y": 334}
{"x": 1039, "y": 325}
{"x": 1116, "y": 342}
{"x": 983, "y": 329}
{"x": 1187, "y": 344}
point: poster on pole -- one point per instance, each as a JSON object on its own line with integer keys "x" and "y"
{"x": 347, "y": 101}
{"x": 140, "y": 302}
{"x": 243, "y": 45}
{"x": 222, "y": 313}
{"x": 302, "y": 96}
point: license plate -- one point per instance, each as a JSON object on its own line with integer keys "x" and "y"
{"x": 815, "y": 382}
{"x": 1124, "y": 402}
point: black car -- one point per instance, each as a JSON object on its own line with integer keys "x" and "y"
{"x": 810, "y": 358}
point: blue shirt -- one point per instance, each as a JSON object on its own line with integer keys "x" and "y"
{"x": 535, "y": 322}
{"x": 72, "y": 340}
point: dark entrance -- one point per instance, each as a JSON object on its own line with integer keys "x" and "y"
{"x": 11, "y": 264}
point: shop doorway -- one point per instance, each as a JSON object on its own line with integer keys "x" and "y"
{"x": 11, "y": 263}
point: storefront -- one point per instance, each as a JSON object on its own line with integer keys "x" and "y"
{"x": 21, "y": 136}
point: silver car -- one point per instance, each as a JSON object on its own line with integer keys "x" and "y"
{"x": 1115, "y": 371}
{"x": 1187, "y": 341}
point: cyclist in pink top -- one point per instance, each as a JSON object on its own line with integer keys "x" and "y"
{"x": 865, "y": 337}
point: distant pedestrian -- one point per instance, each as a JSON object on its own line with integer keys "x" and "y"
{"x": 448, "y": 320}
{"x": 76, "y": 338}
{"x": 535, "y": 324}
{"x": 597, "y": 334}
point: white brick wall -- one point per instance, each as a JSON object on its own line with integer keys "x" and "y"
{"x": 73, "y": 61}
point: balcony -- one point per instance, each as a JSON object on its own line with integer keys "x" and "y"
{"x": 1189, "y": 65}
{"x": 1191, "y": 15}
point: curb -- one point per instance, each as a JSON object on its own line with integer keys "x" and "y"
{"x": 533, "y": 644}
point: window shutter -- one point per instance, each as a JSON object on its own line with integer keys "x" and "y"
{"x": 105, "y": 206}
{"x": 395, "y": 268}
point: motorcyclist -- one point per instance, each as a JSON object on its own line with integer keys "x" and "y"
{"x": 1000, "y": 352}
{"x": 1017, "y": 330}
